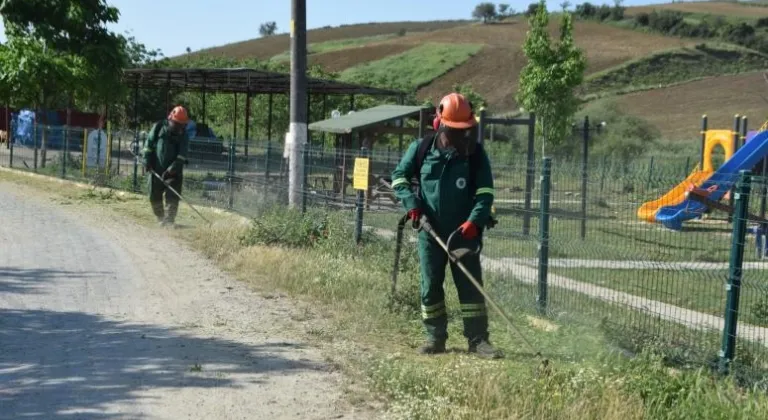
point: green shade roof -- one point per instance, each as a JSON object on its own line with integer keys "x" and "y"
{"x": 346, "y": 124}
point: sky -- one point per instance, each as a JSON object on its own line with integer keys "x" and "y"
{"x": 174, "y": 25}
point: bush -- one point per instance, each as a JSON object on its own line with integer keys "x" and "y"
{"x": 286, "y": 227}
{"x": 664, "y": 20}
{"x": 642, "y": 19}
{"x": 762, "y": 23}
{"x": 625, "y": 137}
{"x": 586, "y": 11}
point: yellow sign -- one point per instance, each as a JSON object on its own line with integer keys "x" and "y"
{"x": 293, "y": 28}
{"x": 360, "y": 178}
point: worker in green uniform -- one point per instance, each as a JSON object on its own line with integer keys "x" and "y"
{"x": 165, "y": 153}
{"x": 455, "y": 193}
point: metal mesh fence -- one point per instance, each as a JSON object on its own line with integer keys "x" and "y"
{"x": 585, "y": 248}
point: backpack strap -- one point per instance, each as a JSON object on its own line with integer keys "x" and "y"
{"x": 421, "y": 153}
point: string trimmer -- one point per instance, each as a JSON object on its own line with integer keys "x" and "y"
{"x": 455, "y": 257}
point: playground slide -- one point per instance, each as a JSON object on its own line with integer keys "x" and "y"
{"x": 720, "y": 182}
{"x": 676, "y": 195}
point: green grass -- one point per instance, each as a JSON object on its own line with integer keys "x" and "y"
{"x": 673, "y": 67}
{"x": 336, "y": 45}
{"x": 413, "y": 68}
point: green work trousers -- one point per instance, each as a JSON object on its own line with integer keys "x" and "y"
{"x": 157, "y": 190}
{"x": 433, "y": 261}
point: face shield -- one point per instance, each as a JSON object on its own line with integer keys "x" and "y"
{"x": 176, "y": 127}
{"x": 463, "y": 141}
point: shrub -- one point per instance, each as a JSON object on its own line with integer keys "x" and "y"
{"x": 762, "y": 22}
{"x": 664, "y": 20}
{"x": 287, "y": 227}
{"x": 642, "y": 19}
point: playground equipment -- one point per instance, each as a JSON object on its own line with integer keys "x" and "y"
{"x": 674, "y": 207}
{"x": 700, "y": 173}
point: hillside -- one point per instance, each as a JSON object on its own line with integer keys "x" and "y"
{"x": 729, "y": 9}
{"x": 429, "y": 58}
{"x": 677, "y": 110}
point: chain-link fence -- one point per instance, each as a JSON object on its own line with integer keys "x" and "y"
{"x": 586, "y": 248}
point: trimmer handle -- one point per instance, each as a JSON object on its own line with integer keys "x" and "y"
{"x": 453, "y": 235}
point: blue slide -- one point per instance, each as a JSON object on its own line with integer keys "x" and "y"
{"x": 724, "y": 178}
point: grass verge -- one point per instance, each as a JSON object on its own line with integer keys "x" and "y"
{"x": 311, "y": 257}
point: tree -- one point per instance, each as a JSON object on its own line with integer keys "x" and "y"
{"x": 504, "y": 9}
{"x": 532, "y": 8}
{"x": 484, "y": 11}
{"x": 549, "y": 80}
{"x": 268, "y": 28}
{"x": 66, "y": 33}
{"x": 565, "y": 5}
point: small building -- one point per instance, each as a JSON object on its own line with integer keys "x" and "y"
{"x": 362, "y": 129}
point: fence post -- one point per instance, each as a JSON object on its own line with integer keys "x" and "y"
{"x": 546, "y": 172}
{"x": 736, "y": 132}
{"x": 703, "y": 139}
{"x": 65, "y": 150}
{"x": 584, "y": 155}
{"x": 481, "y": 127}
{"x": 136, "y": 162}
{"x": 733, "y": 288}
{"x": 603, "y": 169}
{"x": 34, "y": 141}
{"x": 85, "y": 152}
{"x": 306, "y": 148}
{"x": 10, "y": 148}
{"x": 267, "y": 158}
{"x": 529, "y": 173}
{"x": 359, "y": 206}
{"x": 687, "y": 167}
{"x": 231, "y": 174}
{"x": 650, "y": 175}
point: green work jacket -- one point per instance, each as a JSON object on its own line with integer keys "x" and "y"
{"x": 445, "y": 194}
{"x": 165, "y": 150}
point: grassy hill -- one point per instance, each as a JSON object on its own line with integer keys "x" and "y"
{"x": 637, "y": 65}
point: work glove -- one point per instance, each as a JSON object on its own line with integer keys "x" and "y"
{"x": 168, "y": 174}
{"x": 414, "y": 214}
{"x": 468, "y": 230}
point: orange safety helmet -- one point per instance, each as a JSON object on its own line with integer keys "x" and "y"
{"x": 456, "y": 112}
{"x": 179, "y": 115}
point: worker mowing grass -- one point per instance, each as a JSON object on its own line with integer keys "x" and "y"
{"x": 447, "y": 178}
{"x": 165, "y": 153}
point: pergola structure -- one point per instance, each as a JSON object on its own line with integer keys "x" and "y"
{"x": 367, "y": 125}
{"x": 241, "y": 81}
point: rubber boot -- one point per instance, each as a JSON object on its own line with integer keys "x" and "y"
{"x": 484, "y": 349}
{"x": 433, "y": 347}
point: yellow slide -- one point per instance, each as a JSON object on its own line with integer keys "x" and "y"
{"x": 675, "y": 196}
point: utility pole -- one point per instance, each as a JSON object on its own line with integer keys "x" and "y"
{"x": 298, "y": 126}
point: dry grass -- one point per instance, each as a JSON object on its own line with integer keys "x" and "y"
{"x": 265, "y": 48}
{"x": 705, "y": 7}
{"x": 720, "y": 98}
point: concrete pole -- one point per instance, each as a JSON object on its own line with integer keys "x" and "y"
{"x": 298, "y": 125}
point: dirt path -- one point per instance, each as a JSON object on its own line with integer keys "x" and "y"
{"x": 93, "y": 325}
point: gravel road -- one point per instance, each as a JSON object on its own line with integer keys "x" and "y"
{"x": 99, "y": 322}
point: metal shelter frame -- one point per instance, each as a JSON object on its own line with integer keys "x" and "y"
{"x": 367, "y": 126}
{"x": 240, "y": 81}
